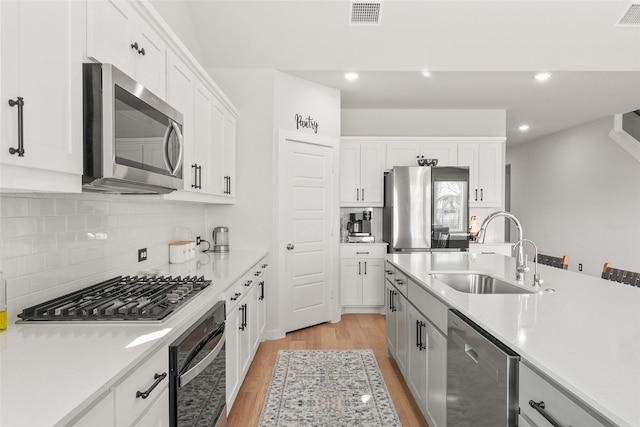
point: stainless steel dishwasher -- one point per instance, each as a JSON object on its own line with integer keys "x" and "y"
{"x": 482, "y": 377}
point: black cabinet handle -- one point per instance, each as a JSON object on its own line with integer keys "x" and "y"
{"x": 195, "y": 176}
{"x": 539, "y": 406}
{"x": 19, "y": 102}
{"x": 422, "y": 326}
{"x": 482, "y": 194}
{"x": 261, "y": 284}
{"x": 362, "y": 194}
{"x": 158, "y": 379}
{"x": 235, "y": 296}
{"x": 200, "y": 176}
{"x": 135, "y": 46}
{"x": 244, "y": 316}
{"x": 141, "y": 52}
{"x": 243, "y": 309}
{"x": 365, "y": 268}
{"x": 248, "y": 282}
{"x": 359, "y": 269}
{"x": 418, "y": 334}
{"x": 476, "y": 194}
{"x": 264, "y": 265}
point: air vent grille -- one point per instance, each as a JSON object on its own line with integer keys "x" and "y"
{"x": 365, "y": 13}
{"x": 631, "y": 18}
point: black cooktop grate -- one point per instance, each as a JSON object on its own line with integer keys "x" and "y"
{"x": 120, "y": 298}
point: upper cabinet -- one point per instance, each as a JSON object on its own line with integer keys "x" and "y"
{"x": 361, "y": 174}
{"x": 41, "y": 102}
{"x": 118, "y": 35}
{"x": 407, "y": 154}
{"x": 486, "y": 172}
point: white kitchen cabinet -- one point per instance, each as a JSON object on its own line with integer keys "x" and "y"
{"x": 41, "y": 68}
{"x": 101, "y": 413}
{"x": 118, "y": 35}
{"x": 362, "y": 277}
{"x": 361, "y": 174}
{"x": 417, "y": 363}
{"x": 402, "y": 333}
{"x": 391, "y": 294}
{"x": 486, "y": 172}
{"x": 436, "y": 408}
{"x": 565, "y": 409}
{"x": 244, "y": 327}
{"x": 407, "y": 154}
{"x": 158, "y": 413}
{"x": 229, "y": 178}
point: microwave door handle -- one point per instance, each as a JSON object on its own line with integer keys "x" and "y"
{"x": 165, "y": 148}
{"x": 186, "y": 378}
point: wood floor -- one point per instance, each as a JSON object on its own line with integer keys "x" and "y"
{"x": 354, "y": 331}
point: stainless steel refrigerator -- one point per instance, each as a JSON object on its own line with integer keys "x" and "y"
{"x": 426, "y": 209}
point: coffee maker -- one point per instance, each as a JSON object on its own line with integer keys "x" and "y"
{"x": 359, "y": 228}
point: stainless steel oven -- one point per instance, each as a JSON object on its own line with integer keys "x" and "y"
{"x": 132, "y": 138}
{"x": 197, "y": 386}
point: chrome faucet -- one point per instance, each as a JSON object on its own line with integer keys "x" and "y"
{"x": 520, "y": 264}
{"x": 537, "y": 280}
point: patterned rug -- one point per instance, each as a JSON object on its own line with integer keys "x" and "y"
{"x": 327, "y": 388}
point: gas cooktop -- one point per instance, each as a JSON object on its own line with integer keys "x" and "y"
{"x": 148, "y": 298}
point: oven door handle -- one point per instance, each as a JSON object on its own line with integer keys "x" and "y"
{"x": 185, "y": 378}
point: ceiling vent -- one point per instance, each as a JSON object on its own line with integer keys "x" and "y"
{"x": 365, "y": 12}
{"x": 631, "y": 17}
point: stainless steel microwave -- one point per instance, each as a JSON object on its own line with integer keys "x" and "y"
{"x": 132, "y": 139}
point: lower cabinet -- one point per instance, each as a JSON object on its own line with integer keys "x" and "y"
{"x": 541, "y": 401}
{"x": 362, "y": 277}
{"x": 245, "y": 325}
{"x": 415, "y": 340}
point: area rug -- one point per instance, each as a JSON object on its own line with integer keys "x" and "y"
{"x": 327, "y": 388}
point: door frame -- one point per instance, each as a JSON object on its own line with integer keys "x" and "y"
{"x": 282, "y": 303}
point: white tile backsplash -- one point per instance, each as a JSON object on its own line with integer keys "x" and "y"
{"x": 54, "y": 244}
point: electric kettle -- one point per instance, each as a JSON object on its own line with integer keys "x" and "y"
{"x": 221, "y": 239}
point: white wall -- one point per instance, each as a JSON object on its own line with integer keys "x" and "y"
{"x": 421, "y": 122}
{"x": 577, "y": 193}
{"x": 267, "y": 102}
{"x": 178, "y": 16}
{"x": 51, "y": 245}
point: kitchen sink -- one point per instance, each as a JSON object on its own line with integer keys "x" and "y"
{"x": 477, "y": 283}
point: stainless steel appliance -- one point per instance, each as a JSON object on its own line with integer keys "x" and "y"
{"x": 197, "y": 386}
{"x": 359, "y": 228}
{"x": 132, "y": 139}
{"x": 426, "y": 209}
{"x": 482, "y": 376}
{"x": 149, "y": 298}
{"x": 221, "y": 239}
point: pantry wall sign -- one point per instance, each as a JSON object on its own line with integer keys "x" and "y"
{"x": 306, "y": 123}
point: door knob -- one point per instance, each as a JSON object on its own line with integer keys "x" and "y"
{"x": 290, "y": 247}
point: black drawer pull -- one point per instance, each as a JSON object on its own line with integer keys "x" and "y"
{"x": 235, "y": 296}
{"x": 158, "y": 379}
{"x": 540, "y": 408}
{"x": 19, "y": 102}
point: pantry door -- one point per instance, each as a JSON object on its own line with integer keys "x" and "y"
{"x": 306, "y": 212}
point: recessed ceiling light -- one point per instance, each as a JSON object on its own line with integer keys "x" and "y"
{"x": 426, "y": 73}
{"x": 351, "y": 76}
{"x": 523, "y": 127}
{"x": 542, "y": 76}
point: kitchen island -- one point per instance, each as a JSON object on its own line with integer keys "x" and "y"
{"x": 52, "y": 373}
{"x": 580, "y": 331}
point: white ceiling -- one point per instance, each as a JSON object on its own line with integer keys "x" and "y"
{"x": 482, "y": 54}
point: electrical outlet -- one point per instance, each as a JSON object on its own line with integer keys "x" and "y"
{"x": 198, "y": 240}
{"x": 579, "y": 267}
{"x": 142, "y": 254}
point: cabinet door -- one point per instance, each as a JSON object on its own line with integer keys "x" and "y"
{"x": 490, "y": 173}
{"x": 371, "y": 174}
{"x": 42, "y": 53}
{"x": 244, "y": 355}
{"x": 373, "y": 281}
{"x": 468, "y": 156}
{"x": 150, "y": 59}
{"x": 349, "y": 173}
{"x": 437, "y": 377}
{"x": 230, "y": 154}
{"x": 402, "y": 155}
{"x": 417, "y": 363}
{"x": 219, "y": 149}
{"x": 390, "y": 318}
{"x": 158, "y": 413}
{"x": 350, "y": 282}
{"x": 446, "y": 153}
{"x": 262, "y": 309}
{"x": 232, "y": 356}
{"x": 402, "y": 332}
{"x": 110, "y": 25}
{"x": 253, "y": 319}
{"x": 180, "y": 94}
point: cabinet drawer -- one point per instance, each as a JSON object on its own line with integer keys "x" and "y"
{"x": 432, "y": 308}
{"x": 236, "y": 292}
{"x": 129, "y": 407}
{"x": 355, "y": 250}
{"x": 557, "y": 404}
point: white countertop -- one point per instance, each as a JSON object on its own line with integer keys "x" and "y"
{"x": 49, "y": 373}
{"x": 585, "y": 335}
